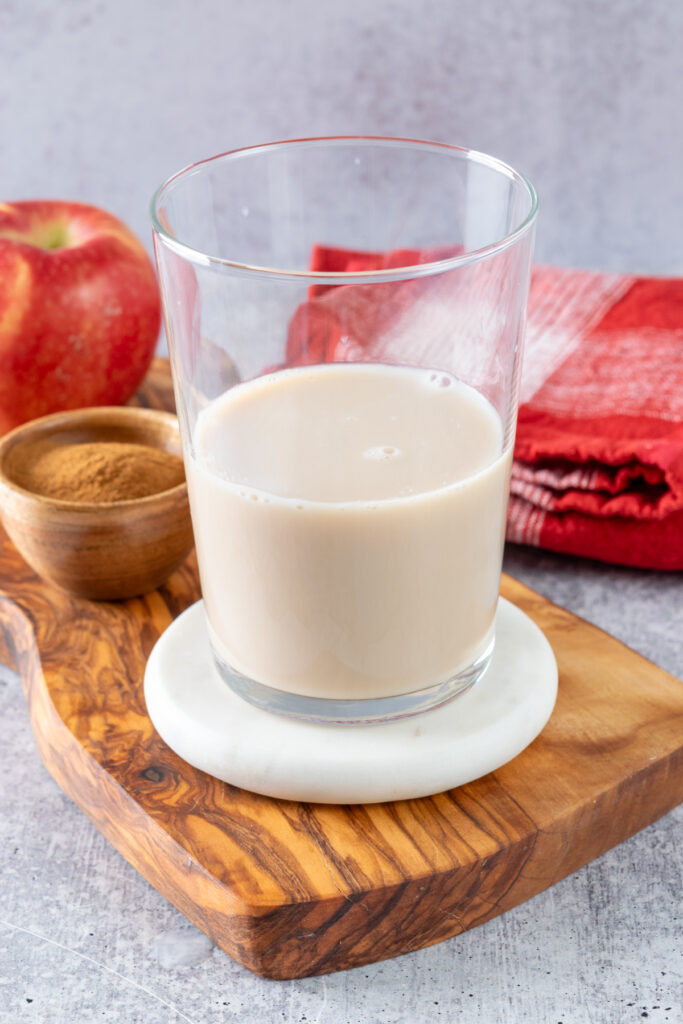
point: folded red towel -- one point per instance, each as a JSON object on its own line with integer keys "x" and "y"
{"x": 598, "y": 467}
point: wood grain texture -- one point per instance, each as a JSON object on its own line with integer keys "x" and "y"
{"x": 290, "y": 889}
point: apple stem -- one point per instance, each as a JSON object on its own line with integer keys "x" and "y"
{"x": 53, "y": 236}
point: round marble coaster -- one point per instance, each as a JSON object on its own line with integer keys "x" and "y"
{"x": 210, "y": 727}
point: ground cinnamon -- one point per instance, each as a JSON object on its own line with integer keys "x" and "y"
{"x": 100, "y": 471}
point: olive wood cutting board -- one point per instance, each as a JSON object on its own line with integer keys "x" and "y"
{"x": 291, "y": 889}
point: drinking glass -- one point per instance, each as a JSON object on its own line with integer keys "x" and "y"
{"x": 345, "y": 321}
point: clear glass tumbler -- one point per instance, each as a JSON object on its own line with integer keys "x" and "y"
{"x": 345, "y": 319}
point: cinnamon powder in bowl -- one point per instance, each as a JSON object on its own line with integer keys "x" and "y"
{"x": 98, "y": 471}
{"x": 95, "y": 499}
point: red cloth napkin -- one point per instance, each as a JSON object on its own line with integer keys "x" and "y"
{"x": 598, "y": 468}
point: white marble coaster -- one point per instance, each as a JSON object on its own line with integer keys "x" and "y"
{"x": 209, "y": 726}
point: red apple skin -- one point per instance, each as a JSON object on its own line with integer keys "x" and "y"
{"x": 79, "y": 309}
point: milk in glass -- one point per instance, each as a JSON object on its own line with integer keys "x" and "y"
{"x": 349, "y": 522}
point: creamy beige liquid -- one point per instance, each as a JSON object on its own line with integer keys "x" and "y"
{"x": 349, "y": 525}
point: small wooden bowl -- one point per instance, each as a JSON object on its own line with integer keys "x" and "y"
{"x": 97, "y": 550}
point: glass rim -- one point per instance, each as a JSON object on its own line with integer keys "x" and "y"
{"x": 198, "y": 257}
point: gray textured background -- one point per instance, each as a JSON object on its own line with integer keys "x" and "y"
{"x": 101, "y": 101}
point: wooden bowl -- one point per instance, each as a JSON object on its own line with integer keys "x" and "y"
{"x": 96, "y": 550}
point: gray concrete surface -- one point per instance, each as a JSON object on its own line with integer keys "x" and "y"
{"x": 101, "y": 100}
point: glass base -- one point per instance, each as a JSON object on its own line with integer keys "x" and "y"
{"x": 372, "y": 711}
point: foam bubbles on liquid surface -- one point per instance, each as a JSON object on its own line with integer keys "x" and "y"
{"x": 382, "y": 453}
{"x": 440, "y": 380}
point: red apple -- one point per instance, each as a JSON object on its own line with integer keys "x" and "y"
{"x": 79, "y": 309}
